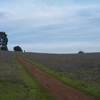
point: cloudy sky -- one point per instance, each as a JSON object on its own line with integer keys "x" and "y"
{"x": 52, "y": 26}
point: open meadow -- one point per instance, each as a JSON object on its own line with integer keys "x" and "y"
{"x": 35, "y": 76}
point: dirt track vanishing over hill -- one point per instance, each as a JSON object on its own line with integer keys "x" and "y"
{"x": 58, "y": 90}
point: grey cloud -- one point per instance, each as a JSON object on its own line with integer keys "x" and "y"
{"x": 83, "y": 25}
{"x": 3, "y": 15}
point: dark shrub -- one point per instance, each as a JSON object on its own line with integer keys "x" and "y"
{"x": 80, "y": 52}
{"x": 18, "y": 48}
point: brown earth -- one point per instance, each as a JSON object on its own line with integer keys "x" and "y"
{"x": 57, "y": 89}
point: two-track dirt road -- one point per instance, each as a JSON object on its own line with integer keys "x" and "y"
{"x": 58, "y": 90}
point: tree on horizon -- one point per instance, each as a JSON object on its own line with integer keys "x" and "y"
{"x": 3, "y": 41}
{"x": 18, "y": 49}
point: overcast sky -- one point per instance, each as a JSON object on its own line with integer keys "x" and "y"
{"x": 52, "y": 26}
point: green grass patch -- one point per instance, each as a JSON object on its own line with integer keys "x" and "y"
{"x": 17, "y": 84}
{"x": 11, "y": 91}
{"x": 34, "y": 89}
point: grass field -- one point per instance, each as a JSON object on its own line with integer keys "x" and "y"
{"x": 16, "y": 83}
{"x": 85, "y": 67}
{"x": 83, "y": 78}
{"x": 78, "y": 71}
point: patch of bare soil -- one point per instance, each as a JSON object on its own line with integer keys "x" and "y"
{"x": 58, "y": 90}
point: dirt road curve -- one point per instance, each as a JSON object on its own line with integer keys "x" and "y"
{"x": 57, "y": 89}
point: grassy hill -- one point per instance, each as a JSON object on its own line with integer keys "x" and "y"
{"x": 81, "y": 71}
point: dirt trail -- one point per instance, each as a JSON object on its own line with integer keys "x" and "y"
{"x": 58, "y": 90}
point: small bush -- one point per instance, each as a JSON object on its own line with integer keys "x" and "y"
{"x": 80, "y": 52}
{"x": 18, "y": 49}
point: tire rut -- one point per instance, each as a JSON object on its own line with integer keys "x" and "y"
{"x": 58, "y": 90}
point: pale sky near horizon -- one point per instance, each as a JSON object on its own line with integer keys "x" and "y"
{"x": 52, "y": 26}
